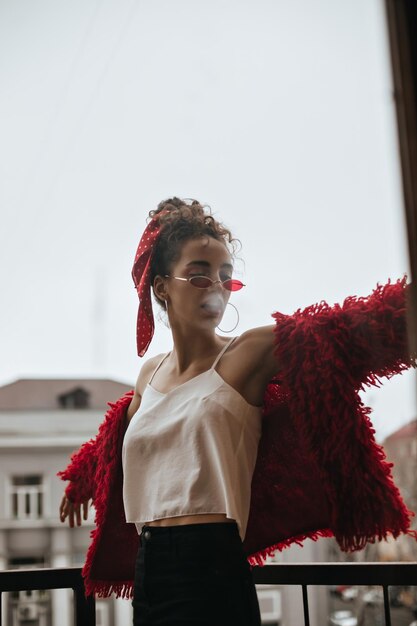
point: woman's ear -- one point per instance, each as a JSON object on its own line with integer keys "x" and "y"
{"x": 159, "y": 289}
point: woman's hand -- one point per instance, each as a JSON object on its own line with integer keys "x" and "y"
{"x": 72, "y": 511}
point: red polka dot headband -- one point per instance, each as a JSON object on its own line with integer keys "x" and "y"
{"x": 141, "y": 274}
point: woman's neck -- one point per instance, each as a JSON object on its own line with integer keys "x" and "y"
{"x": 191, "y": 350}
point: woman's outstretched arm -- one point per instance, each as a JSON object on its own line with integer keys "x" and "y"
{"x": 82, "y": 469}
{"x": 366, "y": 337}
{"x": 325, "y": 355}
{"x": 80, "y": 473}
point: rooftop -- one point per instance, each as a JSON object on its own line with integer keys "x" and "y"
{"x": 406, "y": 431}
{"x": 50, "y": 393}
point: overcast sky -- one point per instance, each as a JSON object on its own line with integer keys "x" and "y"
{"x": 279, "y": 115}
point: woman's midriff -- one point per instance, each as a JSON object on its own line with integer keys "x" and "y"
{"x": 203, "y": 518}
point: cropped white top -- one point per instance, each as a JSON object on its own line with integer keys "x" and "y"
{"x": 189, "y": 451}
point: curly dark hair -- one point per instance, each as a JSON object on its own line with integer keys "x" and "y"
{"x": 184, "y": 221}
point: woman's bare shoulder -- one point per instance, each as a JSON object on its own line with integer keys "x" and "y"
{"x": 142, "y": 380}
{"x": 256, "y": 341}
{"x": 255, "y": 348}
{"x": 260, "y": 334}
{"x": 146, "y": 372}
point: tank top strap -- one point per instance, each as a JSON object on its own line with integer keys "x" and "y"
{"x": 158, "y": 366}
{"x": 223, "y": 350}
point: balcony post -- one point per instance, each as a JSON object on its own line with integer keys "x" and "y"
{"x": 61, "y": 598}
{"x": 3, "y": 566}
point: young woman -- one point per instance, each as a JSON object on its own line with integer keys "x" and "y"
{"x": 185, "y": 444}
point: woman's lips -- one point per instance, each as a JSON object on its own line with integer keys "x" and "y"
{"x": 213, "y": 305}
{"x": 211, "y": 310}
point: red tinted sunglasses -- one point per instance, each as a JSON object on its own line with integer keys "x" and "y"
{"x": 203, "y": 282}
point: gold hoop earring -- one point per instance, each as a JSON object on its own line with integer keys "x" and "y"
{"x": 231, "y": 330}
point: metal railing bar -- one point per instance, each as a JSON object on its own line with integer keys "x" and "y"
{"x": 301, "y": 574}
{"x": 44, "y": 578}
{"x": 341, "y": 573}
{"x": 277, "y": 573}
{"x": 52, "y": 578}
{"x": 387, "y": 611}
{"x": 85, "y": 608}
{"x": 305, "y": 606}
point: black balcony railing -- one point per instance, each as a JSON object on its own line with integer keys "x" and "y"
{"x": 311, "y": 574}
{"x": 297, "y": 574}
{"x": 68, "y": 578}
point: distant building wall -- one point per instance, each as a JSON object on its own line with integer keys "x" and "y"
{"x": 401, "y": 449}
{"x": 35, "y": 443}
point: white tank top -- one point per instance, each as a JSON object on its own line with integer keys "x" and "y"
{"x": 189, "y": 451}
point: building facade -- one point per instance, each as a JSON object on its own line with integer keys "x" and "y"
{"x": 41, "y": 423}
{"x": 401, "y": 450}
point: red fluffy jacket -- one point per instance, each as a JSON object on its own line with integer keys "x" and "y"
{"x": 319, "y": 471}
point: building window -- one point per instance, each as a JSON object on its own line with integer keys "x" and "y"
{"x": 77, "y": 398}
{"x": 29, "y": 607}
{"x": 27, "y": 496}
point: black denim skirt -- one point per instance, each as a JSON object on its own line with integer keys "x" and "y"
{"x": 193, "y": 575}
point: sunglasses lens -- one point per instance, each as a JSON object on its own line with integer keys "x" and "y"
{"x": 202, "y": 282}
{"x": 233, "y": 284}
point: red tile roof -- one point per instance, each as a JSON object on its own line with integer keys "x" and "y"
{"x": 409, "y": 430}
{"x": 43, "y": 393}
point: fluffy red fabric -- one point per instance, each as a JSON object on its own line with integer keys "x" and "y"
{"x": 319, "y": 471}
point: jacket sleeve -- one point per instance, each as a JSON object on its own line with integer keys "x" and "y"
{"x": 82, "y": 469}
{"x": 366, "y": 336}
{"x": 325, "y": 355}
{"x": 81, "y": 473}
